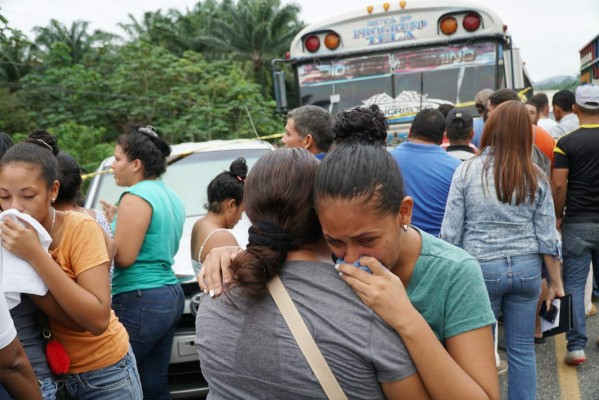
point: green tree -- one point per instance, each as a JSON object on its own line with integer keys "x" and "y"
{"x": 78, "y": 40}
{"x": 86, "y": 144}
{"x": 15, "y": 63}
{"x": 153, "y": 28}
{"x": 15, "y": 56}
{"x": 190, "y": 27}
{"x": 255, "y": 30}
{"x": 64, "y": 92}
{"x": 187, "y": 98}
{"x": 174, "y": 30}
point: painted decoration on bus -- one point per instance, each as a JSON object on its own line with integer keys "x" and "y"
{"x": 346, "y": 69}
{"x": 443, "y": 57}
{"x": 408, "y": 102}
{"x": 389, "y": 30}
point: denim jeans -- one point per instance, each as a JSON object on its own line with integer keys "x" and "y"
{"x": 150, "y": 317}
{"x": 581, "y": 246}
{"x": 514, "y": 286}
{"x": 117, "y": 381}
{"x": 48, "y": 386}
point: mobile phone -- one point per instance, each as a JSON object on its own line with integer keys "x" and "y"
{"x": 548, "y": 315}
{"x": 356, "y": 264}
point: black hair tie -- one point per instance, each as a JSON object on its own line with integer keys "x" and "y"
{"x": 269, "y": 235}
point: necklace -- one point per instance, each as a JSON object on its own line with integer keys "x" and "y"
{"x": 53, "y": 220}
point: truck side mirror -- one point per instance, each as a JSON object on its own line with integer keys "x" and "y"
{"x": 278, "y": 78}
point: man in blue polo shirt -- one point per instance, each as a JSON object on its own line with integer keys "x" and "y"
{"x": 426, "y": 169}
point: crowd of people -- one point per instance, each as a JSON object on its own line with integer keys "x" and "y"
{"x": 476, "y": 199}
{"x": 399, "y": 263}
{"x": 98, "y": 320}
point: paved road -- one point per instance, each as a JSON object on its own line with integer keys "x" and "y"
{"x": 557, "y": 381}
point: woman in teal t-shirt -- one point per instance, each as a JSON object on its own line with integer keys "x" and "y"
{"x": 147, "y": 296}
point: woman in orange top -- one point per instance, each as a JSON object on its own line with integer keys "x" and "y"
{"x": 102, "y": 365}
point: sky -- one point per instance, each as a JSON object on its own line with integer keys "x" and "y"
{"x": 549, "y": 33}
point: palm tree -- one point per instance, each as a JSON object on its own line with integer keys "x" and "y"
{"x": 254, "y": 31}
{"x": 16, "y": 58}
{"x": 153, "y": 28}
{"x": 75, "y": 37}
{"x": 193, "y": 25}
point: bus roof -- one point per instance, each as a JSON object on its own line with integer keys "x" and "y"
{"x": 374, "y": 28}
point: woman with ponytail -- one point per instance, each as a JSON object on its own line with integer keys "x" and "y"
{"x": 225, "y": 206}
{"x": 147, "y": 296}
{"x": 246, "y": 349}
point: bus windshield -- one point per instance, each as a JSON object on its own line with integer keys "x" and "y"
{"x": 401, "y": 81}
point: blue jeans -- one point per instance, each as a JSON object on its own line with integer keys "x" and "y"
{"x": 514, "y": 286}
{"x": 117, "y": 381}
{"x": 48, "y": 386}
{"x": 150, "y": 317}
{"x": 581, "y": 246}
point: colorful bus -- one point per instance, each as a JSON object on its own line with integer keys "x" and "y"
{"x": 589, "y": 62}
{"x": 403, "y": 56}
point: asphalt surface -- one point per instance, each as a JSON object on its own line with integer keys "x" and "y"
{"x": 555, "y": 380}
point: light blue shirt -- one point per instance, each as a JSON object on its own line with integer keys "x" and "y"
{"x": 477, "y": 125}
{"x": 476, "y": 220}
{"x": 565, "y": 125}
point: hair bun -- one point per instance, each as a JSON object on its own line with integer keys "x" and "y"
{"x": 150, "y": 132}
{"x": 239, "y": 169}
{"x": 361, "y": 125}
{"x": 45, "y": 140}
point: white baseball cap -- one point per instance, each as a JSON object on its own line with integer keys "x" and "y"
{"x": 587, "y": 96}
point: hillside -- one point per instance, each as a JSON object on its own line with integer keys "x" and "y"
{"x": 558, "y": 82}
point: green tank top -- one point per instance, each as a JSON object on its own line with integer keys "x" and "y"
{"x": 152, "y": 268}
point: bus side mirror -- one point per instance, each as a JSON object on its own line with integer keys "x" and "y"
{"x": 514, "y": 69}
{"x": 278, "y": 78}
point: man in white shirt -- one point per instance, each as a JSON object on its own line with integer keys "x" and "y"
{"x": 541, "y": 101}
{"x": 562, "y": 110}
